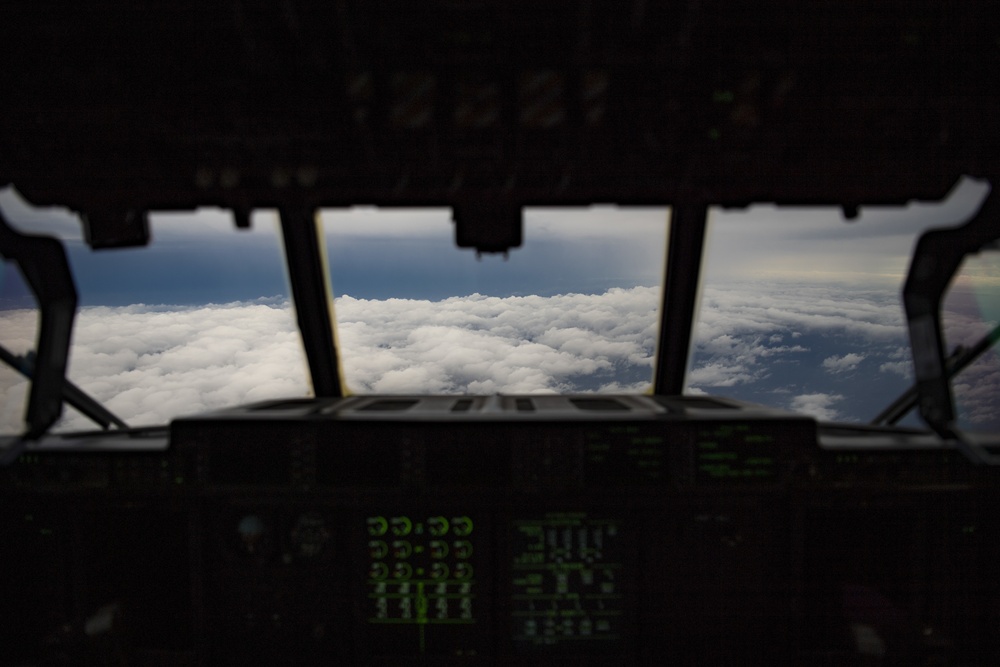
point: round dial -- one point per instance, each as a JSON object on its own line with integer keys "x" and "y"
{"x": 251, "y": 536}
{"x": 310, "y": 536}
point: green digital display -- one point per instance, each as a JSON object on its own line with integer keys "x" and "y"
{"x": 735, "y": 453}
{"x": 421, "y": 571}
{"x": 625, "y": 455}
{"x": 567, "y": 581}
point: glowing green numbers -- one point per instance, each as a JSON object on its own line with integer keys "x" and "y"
{"x": 566, "y": 580}
{"x": 420, "y": 570}
{"x": 734, "y": 453}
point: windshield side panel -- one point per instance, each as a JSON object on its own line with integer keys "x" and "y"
{"x": 801, "y": 309}
{"x": 198, "y": 320}
{"x": 971, "y": 312}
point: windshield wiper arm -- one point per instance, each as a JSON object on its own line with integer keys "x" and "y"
{"x": 959, "y": 360}
{"x": 79, "y": 399}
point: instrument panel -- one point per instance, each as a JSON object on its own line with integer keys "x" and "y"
{"x": 515, "y": 530}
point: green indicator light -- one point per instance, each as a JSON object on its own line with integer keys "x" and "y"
{"x": 439, "y": 549}
{"x": 178, "y": 480}
{"x": 462, "y": 526}
{"x": 377, "y": 525}
{"x": 401, "y": 525}
{"x": 378, "y": 549}
{"x": 463, "y": 549}
{"x": 438, "y": 526}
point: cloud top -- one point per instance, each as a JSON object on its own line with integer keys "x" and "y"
{"x": 484, "y": 344}
{"x": 798, "y": 347}
{"x": 848, "y": 362}
{"x": 819, "y": 406}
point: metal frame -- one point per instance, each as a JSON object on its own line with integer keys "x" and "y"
{"x": 309, "y": 284}
{"x": 682, "y": 277}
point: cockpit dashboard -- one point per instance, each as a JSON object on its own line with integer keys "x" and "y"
{"x": 520, "y": 529}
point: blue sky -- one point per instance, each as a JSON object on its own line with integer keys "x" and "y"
{"x": 199, "y": 258}
{"x": 800, "y": 308}
{"x": 581, "y": 251}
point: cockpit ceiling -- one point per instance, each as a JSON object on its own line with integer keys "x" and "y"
{"x": 165, "y": 104}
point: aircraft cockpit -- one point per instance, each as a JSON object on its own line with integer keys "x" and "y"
{"x": 474, "y": 332}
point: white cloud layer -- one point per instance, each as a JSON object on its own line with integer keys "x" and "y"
{"x": 482, "y": 344}
{"x": 741, "y": 334}
{"x": 819, "y": 406}
{"x": 150, "y": 363}
{"x": 848, "y": 362}
{"x": 977, "y": 388}
{"x": 747, "y": 333}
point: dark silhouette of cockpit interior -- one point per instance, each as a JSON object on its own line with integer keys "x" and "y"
{"x": 623, "y": 529}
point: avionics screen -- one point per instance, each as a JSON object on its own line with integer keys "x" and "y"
{"x": 745, "y": 453}
{"x": 625, "y": 455}
{"x": 421, "y": 583}
{"x": 567, "y": 582}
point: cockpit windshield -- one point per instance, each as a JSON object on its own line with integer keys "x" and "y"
{"x": 801, "y": 309}
{"x": 198, "y": 320}
{"x": 573, "y": 310}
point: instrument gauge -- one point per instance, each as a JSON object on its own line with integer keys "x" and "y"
{"x": 310, "y": 536}
{"x": 251, "y": 537}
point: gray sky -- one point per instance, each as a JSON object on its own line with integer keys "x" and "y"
{"x": 760, "y": 241}
{"x": 765, "y": 241}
